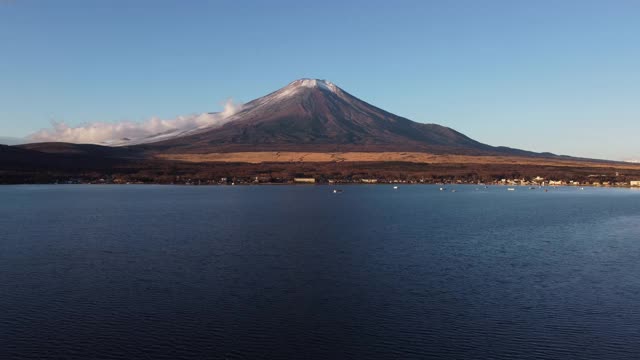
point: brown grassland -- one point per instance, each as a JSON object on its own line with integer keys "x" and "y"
{"x": 408, "y": 157}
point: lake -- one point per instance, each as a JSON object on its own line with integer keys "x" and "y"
{"x": 273, "y": 272}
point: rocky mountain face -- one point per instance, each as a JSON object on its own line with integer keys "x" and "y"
{"x": 316, "y": 115}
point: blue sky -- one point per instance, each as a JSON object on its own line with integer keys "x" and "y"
{"x": 559, "y": 76}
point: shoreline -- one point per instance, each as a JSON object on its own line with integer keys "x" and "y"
{"x": 526, "y": 187}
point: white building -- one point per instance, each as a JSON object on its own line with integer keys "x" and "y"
{"x": 305, "y": 180}
{"x": 635, "y": 183}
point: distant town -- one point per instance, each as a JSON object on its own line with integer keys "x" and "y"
{"x": 594, "y": 181}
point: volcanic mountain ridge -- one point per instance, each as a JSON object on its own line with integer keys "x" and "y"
{"x": 317, "y": 116}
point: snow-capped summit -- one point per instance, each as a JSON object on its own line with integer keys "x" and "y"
{"x": 315, "y": 83}
{"x": 300, "y": 85}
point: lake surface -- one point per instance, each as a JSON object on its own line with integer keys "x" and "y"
{"x": 273, "y": 272}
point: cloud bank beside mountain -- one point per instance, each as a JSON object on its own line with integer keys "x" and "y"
{"x": 108, "y": 132}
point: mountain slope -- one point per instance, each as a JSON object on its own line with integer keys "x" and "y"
{"x": 60, "y": 156}
{"x": 88, "y": 150}
{"x": 316, "y": 115}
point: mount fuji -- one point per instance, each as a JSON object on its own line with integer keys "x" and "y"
{"x": 316, "y": 115}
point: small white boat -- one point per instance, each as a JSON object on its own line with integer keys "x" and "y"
{"x": 395, "y": 187}
{"x": 443, "y": 189}
{"x": 337, "y": 191}
{"x": 511, "y": 189}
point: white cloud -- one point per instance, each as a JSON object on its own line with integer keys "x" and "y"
{"x": 107, "y": 132}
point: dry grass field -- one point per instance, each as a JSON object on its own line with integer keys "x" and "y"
{"x": 410, "y": 157}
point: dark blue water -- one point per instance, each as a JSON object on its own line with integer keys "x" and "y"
{"x": 272, "y": 272}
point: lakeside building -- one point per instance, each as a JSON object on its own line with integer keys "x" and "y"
{"x": 305, "y": 180}
{"x": 635, "y": 183}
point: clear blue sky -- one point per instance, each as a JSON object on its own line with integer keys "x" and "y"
{"x": 560, "y": 76}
